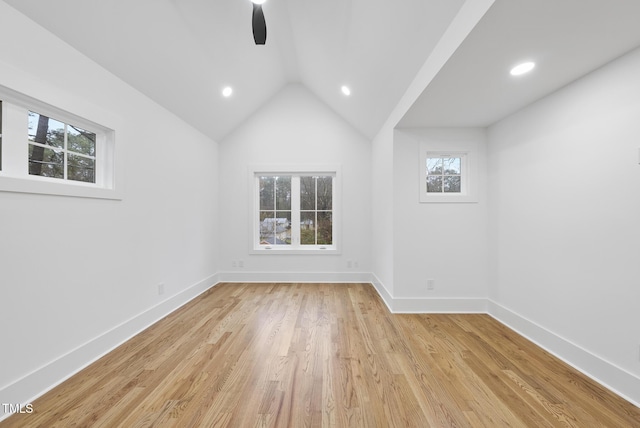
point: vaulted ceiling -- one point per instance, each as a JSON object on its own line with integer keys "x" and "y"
{"x": 181, "y": 53}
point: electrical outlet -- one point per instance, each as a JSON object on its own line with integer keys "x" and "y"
{"x": 233, "y": 263}
{"x": 431, "y": 284}
{"x": 160, "y": 289}
{"x": 241, "y": 263}
{"x": 355, "y": 264}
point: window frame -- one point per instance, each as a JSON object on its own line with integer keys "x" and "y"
{"x": 14, "y": 172}
{"x": 467, "y": 152}
{"x": 256, "y": 171}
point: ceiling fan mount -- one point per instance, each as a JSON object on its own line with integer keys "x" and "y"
{"x": 258, "y": 23}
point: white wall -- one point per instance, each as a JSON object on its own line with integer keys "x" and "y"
{"x": 382, "y": 213}
{"x": 73, "y": 269}
{"x": 446, "y": 242}
{"x": 565, "y": 208}
{"x": 383, "y": 153}
{"x": 295, "y": 128}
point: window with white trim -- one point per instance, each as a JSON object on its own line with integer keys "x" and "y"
{"x": 295, "y": 211}
{"x": 448, "y": 176}
{"x": 47, "y": 150}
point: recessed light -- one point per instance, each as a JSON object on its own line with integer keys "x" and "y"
{"x": 345, "y": 90}
{"x": 523, "y": 68}
{"x": 227, "y": 91}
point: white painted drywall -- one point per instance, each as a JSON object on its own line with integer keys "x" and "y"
{"x": 72, "y": 269}
{"x": 445, "y": 242}
{"x": 294, "y": 128}
{"x": 382, "y": 212}
{"x": 564, "y": 183}
{"x": 383, "y": 252}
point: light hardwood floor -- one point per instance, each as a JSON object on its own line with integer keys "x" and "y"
{"x": 307, "y": 355}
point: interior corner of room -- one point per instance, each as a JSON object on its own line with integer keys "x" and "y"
{"x": 547, "y": 244}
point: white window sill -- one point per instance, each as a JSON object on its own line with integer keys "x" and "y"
{"x": 329, "y": 250}
{"x": 45, "y": 186}
{"x": 447, "y": 198}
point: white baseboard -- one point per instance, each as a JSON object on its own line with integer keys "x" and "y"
{"x": 452, "y": 305}
{"x": 605, "y": 373}
{"x": 41, "y": 380}
{"x": 425, "y": 305}
{"x": 242, "y": 276}
{"x": 384, "y": 294}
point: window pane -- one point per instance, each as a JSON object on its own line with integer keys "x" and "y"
{"x": 45, "y": 162}
{"x": 81, "y": 141}
{"x": 307, "y": 193}
{"x": 451, "y": 165}
{"x": 308, "y": 228}
{"x": 325, "y": 192}
{"x": 452, "y": 183}
{"x": 81, "y": 168}
{"x": 434, "y": 166}
{"x": 283, "y": 193}
{"x": 267, "y": 193}
{"x": 267, "y": 228}
{"x": 324, "y": 228}
{"x": 283, "y": 228}
{"x": 275, "y": 228}
{"x": 45, "y": 130}
{"x": 434, "y": 184}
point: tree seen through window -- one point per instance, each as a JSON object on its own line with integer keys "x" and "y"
{"x": 60, "y": 150}
{"x": 444, "y": 174}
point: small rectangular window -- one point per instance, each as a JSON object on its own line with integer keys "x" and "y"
{"x": 48, "y": 150}
{"x": 448, "y": 176}
{"x": 444, "y": 174}
{"x": 61, "y": 150}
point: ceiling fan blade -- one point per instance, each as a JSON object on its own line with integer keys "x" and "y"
{"x": 259, "y": 25}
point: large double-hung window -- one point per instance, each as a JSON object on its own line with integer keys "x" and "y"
{"x": 295, "y": 211}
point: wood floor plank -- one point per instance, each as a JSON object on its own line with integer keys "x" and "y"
{"x": 325, "y": 355}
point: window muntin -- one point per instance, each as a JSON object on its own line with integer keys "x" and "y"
{"x": 60, "y": 150}
{"x": 295, "y": 211}
{"x": 444, "y": 174}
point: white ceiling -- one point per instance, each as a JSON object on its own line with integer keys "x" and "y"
{"x": 565, "y": 38}
{"x": 181, "y": 53}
